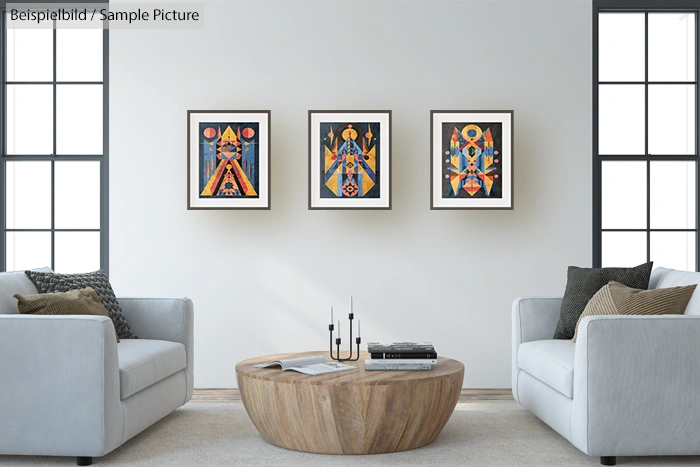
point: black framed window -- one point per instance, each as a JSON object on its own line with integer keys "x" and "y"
{"x": 645, "y": 133}
{"x": 54, "y": 148}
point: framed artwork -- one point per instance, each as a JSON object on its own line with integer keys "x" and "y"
{"x": 471, "y": 159}
{"x": 228, "y": 159}
{"x": 350, "y": 159}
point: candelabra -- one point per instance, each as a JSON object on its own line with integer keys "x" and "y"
{"x": 331, "y": 328}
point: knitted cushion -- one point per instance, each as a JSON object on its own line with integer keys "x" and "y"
{"x": 76, "y": 302}
{"x": 52, "y": 282}
{"x": 583, "y": 283}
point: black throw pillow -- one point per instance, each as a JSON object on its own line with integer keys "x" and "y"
{"x": 583, "y": 283}
{"x": 51, "y": 282}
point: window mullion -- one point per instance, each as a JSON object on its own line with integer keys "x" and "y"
{"x": 104, "y": 160}
{"x": 53, "y": 164}
{"x": 53, "y": 214}
{"x": 697, "y": 137}
{"x": 597, "y": 160}
{"x": 82, "y": 83}
{"x": 646, "y": 129}
{"x": 3, "y": 147}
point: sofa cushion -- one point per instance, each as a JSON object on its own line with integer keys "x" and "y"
{"x": 662, "y": 278}
{"x": 617, "y": 299}
{"x": 12, "y": 283}
{"x": 550, "y": 361}
{"x": 583, "y": 283}
{"x": 76, "y": 302}
{"x": 144, "y": 362}
{"x": 52, "y": 282}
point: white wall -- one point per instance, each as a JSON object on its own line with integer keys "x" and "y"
{"x": 262, "y": 281}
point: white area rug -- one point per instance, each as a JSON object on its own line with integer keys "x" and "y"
{"x": 221, "y": 434}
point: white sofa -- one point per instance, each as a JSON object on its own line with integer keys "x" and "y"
{"x": 629, "y": 386}
{"x": 68, "y": 389}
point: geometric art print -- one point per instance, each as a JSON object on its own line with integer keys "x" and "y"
{"x": 471, "y": 168}
{"x": 349, "y": 160}
{"x": 471, "y": 159}
{"x": 228, "y": 159}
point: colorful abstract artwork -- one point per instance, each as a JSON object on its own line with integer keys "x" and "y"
{"x": 349, "y": 160}
{"x": 349, "y": 155}
{"x": 471, "y": 160}
{"x": 228, "y": 165}
{"x": 471, "y": 167}
{"x": 228, "y": 159}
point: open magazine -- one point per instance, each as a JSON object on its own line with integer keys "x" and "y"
{"x": 309, "y": 365}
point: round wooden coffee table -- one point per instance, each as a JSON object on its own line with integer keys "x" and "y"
{"x": 351, "y": 412}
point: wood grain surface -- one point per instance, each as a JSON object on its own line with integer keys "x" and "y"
{"x": 352, "y": 412}
{"x": 466, "y": 396}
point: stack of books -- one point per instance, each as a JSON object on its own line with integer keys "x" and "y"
{"x": 402, "y": 356}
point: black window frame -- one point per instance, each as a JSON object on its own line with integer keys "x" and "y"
{"x": 103, "y": 158}
{"x": 643, "y": 6}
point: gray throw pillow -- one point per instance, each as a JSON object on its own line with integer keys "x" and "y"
{"x": 52, "y": 282}
{"x": 583, "y": 283}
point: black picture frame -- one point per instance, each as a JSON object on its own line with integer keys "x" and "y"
{"x": 267, "y": 205}
{"x": 345, "y": 203}
{"x": 434, "y": 154}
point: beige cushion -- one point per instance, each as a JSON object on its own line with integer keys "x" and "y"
{"x": 76, "y": 302}
{"x": 618, "y": 299}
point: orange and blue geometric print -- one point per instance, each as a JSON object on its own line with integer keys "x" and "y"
{"x": 229, "y": 159}
{"x": 472, "y": 165}
{"x": 350, "y": 155}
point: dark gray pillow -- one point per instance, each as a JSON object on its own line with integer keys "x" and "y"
{"x": 52, "y": 282}
{"x": 583, "y": 283}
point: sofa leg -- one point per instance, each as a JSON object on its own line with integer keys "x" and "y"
{"x": 608, "y": 460}
{"x": 88, "y": 461}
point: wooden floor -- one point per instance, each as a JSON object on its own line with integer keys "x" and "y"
{"x": 468, "y": 395}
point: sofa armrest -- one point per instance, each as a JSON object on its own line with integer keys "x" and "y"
{"x": 636, "y": 383}
{"x": 166, "y": 319}
{"x": 59, "y": 385}
{"x": 533, "y": 319}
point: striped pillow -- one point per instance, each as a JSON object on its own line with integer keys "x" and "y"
{"x": 618, "y": 299}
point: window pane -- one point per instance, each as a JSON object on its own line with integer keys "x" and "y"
{"x": 79, "y": 119}
{"x": 621, "y": 119}
{"x": 79, "y": 54}
{"x": 29, "y": 54}
{"x": 675, "y": 250}
{"x": 624, "y": 249}
{"x": 624, "y": 195}
{"x": 30, "y": 119}
{"x": 28, "y": 195}
{"x": 621, "y": 47}
{"x": 673, "y": 195}
{"x": 77, "y": 195}
{"x": 672, "y": 47}
{"x": 28, "y": 250}
{"x": 77, "y": 252}
{"x": 671, "y": 119}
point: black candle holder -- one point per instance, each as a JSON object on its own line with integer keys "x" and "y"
{"x": 331, "y": 328}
